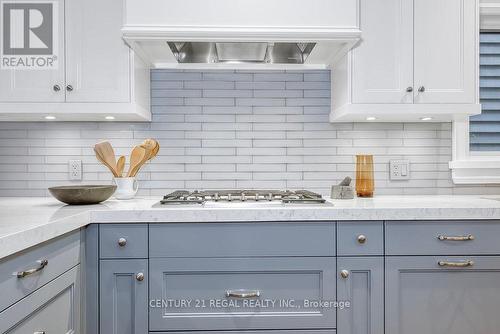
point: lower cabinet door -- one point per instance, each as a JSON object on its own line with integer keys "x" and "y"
{"x": 215, "y": 294}
{"x": 442, "y": 295}
{"x": 54, "y": 308}
{"x": 123, "y": 306}
{"x": 360, "y": 281}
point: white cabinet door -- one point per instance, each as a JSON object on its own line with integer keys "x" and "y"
{"x": 97, "y": 59}
{"x": 383, "y": 62}
{"x": 445, "y": 51}
{"x": 29, "y": 84}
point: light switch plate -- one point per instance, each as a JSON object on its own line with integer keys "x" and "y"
{"x": 75, "y": 170}
{"x": 399, "y": 170}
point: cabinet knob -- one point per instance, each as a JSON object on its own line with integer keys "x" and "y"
{"x": 69, "y": 88}
{"x": 409, "y": 89}
{"x": 139, "y": 277}
{"x": 122, "y": 242}
{"x": 361, "y": 239}
{"x": 56, "y": 88}
{"x": 344, "y": 273}
{"x": 421, "y": 89}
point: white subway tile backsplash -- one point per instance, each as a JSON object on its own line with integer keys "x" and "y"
{"x": 278, "y": 76}
{"x": 205, "y": 85}
{"x": 260, "y": 85}
{"x": 227, "y": 93}
{"x": 227, "y": 76}
{"x": 209, "y": 101}
{"x": 262, "y": 102}
{"x": 234, "y": 129}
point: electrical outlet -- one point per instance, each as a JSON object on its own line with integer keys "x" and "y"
{"x": 75, "y": 170}
{"x": 399, "y": 169}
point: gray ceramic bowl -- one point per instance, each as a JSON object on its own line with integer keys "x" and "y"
{"x": 80, "y": 195}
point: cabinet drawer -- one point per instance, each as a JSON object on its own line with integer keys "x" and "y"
{"x": 242, "y": 239}
{"x": 442, "y": 237}
{"x": 360, "y": 238}
{"x": 61, "y": 255}
{"x": 54, "y": 308}
{"x": 425, "y": 297}
{"x": 123, "y": 240}
{"x": 204, "y": 285}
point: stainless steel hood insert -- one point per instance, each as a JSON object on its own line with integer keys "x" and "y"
{"x": 241, "y": 34}
{"x": 241, "y": 52}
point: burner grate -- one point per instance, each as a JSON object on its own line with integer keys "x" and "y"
{"x": 200, "y": 197}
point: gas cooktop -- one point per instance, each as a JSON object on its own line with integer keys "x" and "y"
{"x": 243, "y": 197}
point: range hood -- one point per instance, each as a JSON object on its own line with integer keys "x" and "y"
{"x": 256, "y": 34}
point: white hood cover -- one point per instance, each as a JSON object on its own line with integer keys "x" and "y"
{"x": 290, "y": 34}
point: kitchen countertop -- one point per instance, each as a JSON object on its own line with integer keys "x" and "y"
{"x": 26, "y": 222}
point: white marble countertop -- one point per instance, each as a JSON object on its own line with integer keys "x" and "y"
{"x": 25, "y": 222}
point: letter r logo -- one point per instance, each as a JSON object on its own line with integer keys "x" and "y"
{"x": 27, "y": 28}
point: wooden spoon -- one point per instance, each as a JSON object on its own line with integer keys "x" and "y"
{"x": 101, "y": 159}
{"x": 107, "y": 154}
{"x": 149, "y": 144}
{"x": 144, "y": 160}
{"x": 156, "y": 149}
{"x": 136, "y": 158}
{"x": 120, "y": 165}
{"x": 153, "y": 146}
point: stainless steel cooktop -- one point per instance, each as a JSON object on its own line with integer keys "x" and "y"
{"x": 245, "y": 198}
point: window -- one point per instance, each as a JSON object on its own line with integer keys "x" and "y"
{"x": 484, "y": 129}
{"x": 476, "y": 142}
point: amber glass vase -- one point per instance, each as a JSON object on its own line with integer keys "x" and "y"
{"x": 365, "y": 184}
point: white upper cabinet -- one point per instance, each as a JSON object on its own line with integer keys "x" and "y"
{"x": 97, "y": 58}
{"x": 381, "y": 67}
{"x": 445, "y": 51}
{"x": 29, "y": 85}
{"x": 417, "y": 60}
{"x": 97, "y": 74}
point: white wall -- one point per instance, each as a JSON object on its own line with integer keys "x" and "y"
{"x": 233, "y": 130}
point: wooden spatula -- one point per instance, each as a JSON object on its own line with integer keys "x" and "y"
{"x": 136, "y": 160}
{"x": 101, "y": 159}
{"x": 120, "y": 165}
{"x": 107, "y": 154}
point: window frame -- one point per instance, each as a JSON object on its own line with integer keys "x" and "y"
{"x": 475, "y": 167}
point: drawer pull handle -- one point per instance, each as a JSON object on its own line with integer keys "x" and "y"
{"x": 39, "y": 332}
{"x": 242, "y": 293}
{"x": 361, "y": 239}
{"x": 139, "y": 277}
{"x": 344, "y": 273}
{"x": 122, "y": 242}
{"x": 457, "y": 238}
{"x": 468, "y": 263}
{"x": 42, "y": 264}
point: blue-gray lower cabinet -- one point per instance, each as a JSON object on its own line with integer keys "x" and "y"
{"x": 360, "y": 280}
{"x": 442, "y": 294}
{"x": 209, "y": 284}
{"x": 53, "y": 308}
{"x": 123, "y": 302}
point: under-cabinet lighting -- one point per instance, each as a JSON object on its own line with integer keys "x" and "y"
{"x": 371, "y": 118}
{"x": 426, "y": 118}
{"x": 110, "y": 118}
{"x": 50, "y": 117}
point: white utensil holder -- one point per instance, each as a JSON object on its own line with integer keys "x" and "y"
{"x": 126, "y": 187}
